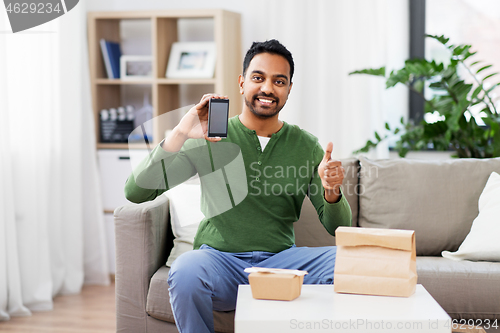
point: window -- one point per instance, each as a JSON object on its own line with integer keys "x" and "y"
{"x": 472, "y": 22}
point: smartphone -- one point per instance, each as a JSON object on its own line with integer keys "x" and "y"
{"x": 218, "y": 113}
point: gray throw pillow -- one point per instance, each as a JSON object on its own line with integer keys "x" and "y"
{"x": 437, "y": 198}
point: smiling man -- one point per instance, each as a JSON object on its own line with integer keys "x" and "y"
{"x": 281, "y": 164}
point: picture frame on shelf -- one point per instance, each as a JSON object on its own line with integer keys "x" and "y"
{"x": 191, "y": 60}
{"x": 136, "y": 67}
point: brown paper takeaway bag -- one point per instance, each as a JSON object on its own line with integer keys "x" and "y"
{"x": 375, "y": 261}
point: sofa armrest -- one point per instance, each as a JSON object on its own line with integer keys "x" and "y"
{"x": 141, "y": 236}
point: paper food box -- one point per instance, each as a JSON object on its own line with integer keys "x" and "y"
{"x": 375, "y": 261}
{"x": 275, "y": 283}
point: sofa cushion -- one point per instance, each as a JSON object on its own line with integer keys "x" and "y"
{"x": 185, "y": 217}
{"x": 481, "y": 244}
{"x": 158, "y": 303}
{"x": 464, "y": 289}
{"x": 308, "y": 229}
{"x": 437, "y": 199}
{"x": 350, "y": 186}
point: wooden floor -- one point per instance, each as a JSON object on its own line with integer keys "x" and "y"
{"x": 92, "y": 311}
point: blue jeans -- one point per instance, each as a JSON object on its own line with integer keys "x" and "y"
{"x": 207, "y": 279}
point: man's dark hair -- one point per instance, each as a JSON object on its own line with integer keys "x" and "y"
{"x": 270, "y": 46}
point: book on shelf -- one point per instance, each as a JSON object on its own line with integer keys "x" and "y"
{"x": 111, "y": 54}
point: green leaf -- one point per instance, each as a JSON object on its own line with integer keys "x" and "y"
{"x": 496, "y": 144}
{"x": 476, "y": 62}
{"x": 371, "y": 71}
{"x": 429, "y": 107}
{"x": 483, "y": 68}
{"x": 487, "y": 111}
{"x": 437, "y": 85}
{"x": 487, "y": 77}
{"x": 378, "y": 137}
{"x": 461, "y": 90}
{"x": 369, "y": 144}
{"x": 442, "y": 39}
{"x": 435, "y": 129}
{"x": 443, "y": 104}
{"x": 447, "y": 135}
{"x": 476, "y": 92}
{"x": 401, "y": 76}
{"x": 420, "y": 68}
{"x": 468, "y": 55}
{"x": 495, "y": 127}
{"x": 403, "y": 151}
{"x": 418, "y": 85}
{"x": 396, "y": 131}
{"x": 436, "y": 67}
{"x": 387, "y": 126}
{"x": 462, "y": 52}
{"x": 492, "y": 87}
{"x": 421, "y": 145}
{"x": 460, "y": 49}
{"x": 402, "y": 120}
{"x": 487, "y": 134}
{"x": 462, "y": 122}
{"x": 451, "y": 77}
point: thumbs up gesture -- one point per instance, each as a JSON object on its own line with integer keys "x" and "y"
{"x": 331, "y": 173}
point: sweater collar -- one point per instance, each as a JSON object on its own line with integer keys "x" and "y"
{"x": 239, "y": 124}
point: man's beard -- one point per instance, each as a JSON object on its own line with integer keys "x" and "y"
{"x": 252, "y": 108}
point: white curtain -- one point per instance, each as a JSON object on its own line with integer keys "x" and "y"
{"x": 51, "y": 223}
{"x": 328, "y": 39}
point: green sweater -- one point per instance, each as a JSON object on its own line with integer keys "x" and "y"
{"x": 250, "y": 198}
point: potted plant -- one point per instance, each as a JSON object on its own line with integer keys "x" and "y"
{"x": 453, "y": 99}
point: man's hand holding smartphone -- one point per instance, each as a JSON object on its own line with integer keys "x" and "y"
{"x": 194, "y": 125}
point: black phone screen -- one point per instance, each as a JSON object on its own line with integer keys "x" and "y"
{"x": 217, "y": 117}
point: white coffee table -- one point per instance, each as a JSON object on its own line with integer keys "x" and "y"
{"x": 320, "y": 309}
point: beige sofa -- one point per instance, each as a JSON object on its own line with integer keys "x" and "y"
{"x": 437, "y": 199}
